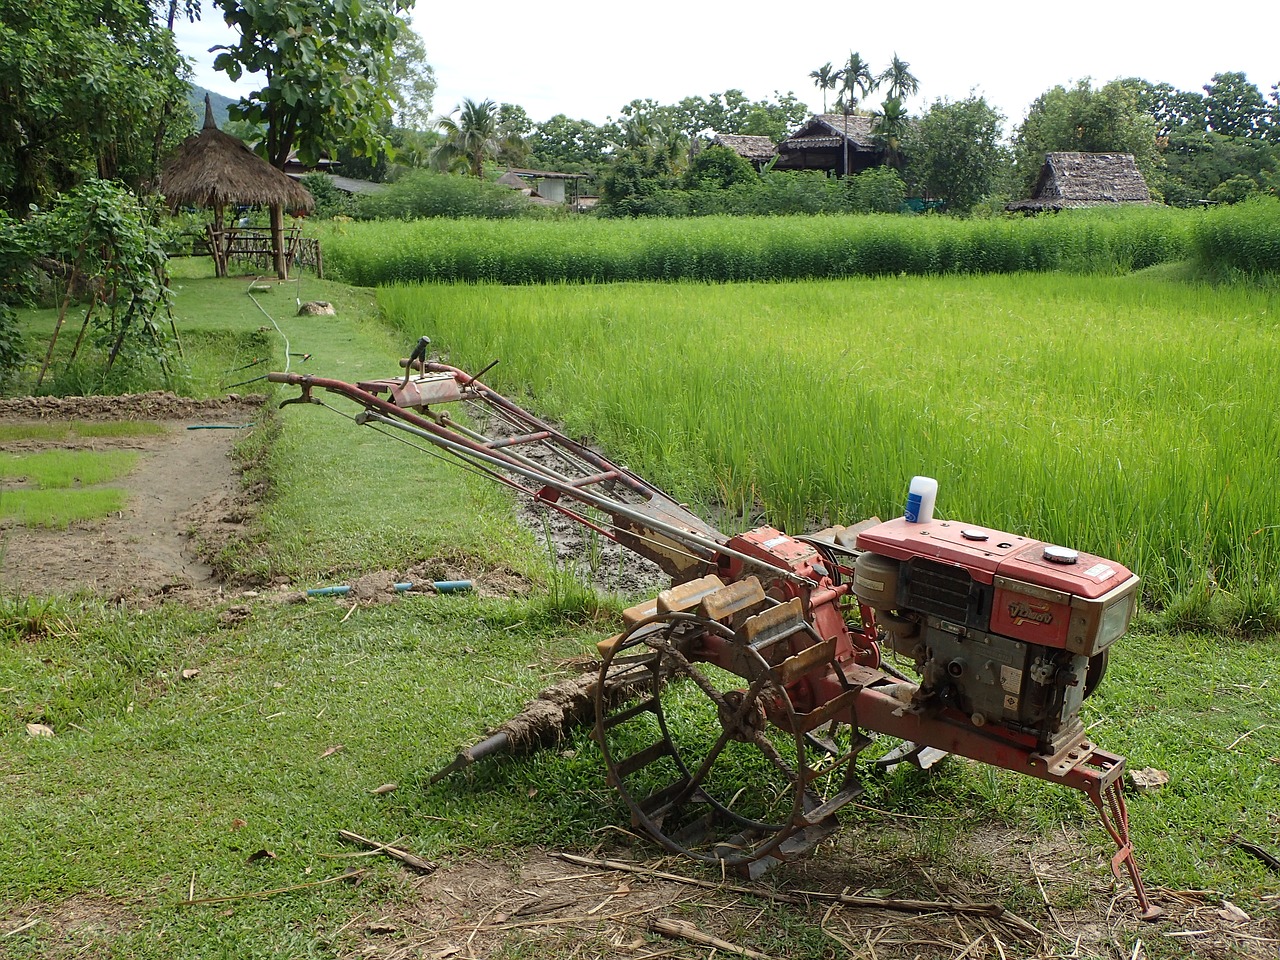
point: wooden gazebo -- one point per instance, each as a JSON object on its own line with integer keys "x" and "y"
{"x": 214, "y": 169}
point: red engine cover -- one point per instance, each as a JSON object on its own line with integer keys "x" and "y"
{"x": 1058, "y": 602}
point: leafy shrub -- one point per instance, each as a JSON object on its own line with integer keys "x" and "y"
{"x": 423, "y": 194}
{"x": 1244, "y": 238}
{"x": 330, "y": 202}
{"x": 105, "y": 241}
{"x": 717, "y": 167}
{"x": 878, "y": 190}
{"x": 15, "y": 288}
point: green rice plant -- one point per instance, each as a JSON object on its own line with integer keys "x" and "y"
{"x": 53, "y": 469}
{"x": 58, "y": 509}
{"x": 1240, "y": 239}
{"x": 1128, "y": 417}
{"x": 726, "y": 249}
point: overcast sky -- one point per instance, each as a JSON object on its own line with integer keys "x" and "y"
{"x": 567, "y": 58}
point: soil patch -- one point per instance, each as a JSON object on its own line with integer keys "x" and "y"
{"x": 80, "y": 926}
{"x": 540, "y": 905}
{"x": 186, "y": 490}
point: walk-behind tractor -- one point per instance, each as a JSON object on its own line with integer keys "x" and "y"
{"x": 732, "y": 708}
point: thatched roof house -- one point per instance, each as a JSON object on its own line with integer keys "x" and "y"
{"x": 1085, "y": 180}
{"x": 214, "y": 169}
{"x": 821, "y": 145}
{"x": 757, "y": 151}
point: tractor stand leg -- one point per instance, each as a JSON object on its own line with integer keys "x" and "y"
{"x": 1115, "y": 817}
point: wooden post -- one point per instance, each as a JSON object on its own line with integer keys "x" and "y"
{"x": 277, "y": 241}
{"x": 217, "y": 236}
{"x": 62, "y": 314}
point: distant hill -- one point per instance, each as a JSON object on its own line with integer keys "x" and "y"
{"x": 217, "y": 100}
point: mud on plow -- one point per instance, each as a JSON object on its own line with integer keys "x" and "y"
{"x": 732, "y": 708}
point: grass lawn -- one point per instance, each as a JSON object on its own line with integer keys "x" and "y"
{"x": 215, "y": 752}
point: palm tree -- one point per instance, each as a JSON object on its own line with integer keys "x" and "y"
{"x": 889, "y": 126}
{"x": 468, "y": 140}
{"x": 825, "y": 78}
{"x": 855, "y": 75}
{"x": 902, "y": 82}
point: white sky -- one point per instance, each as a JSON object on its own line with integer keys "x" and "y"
{"x": 565, "y": 58}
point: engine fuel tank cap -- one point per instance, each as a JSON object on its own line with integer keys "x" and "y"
{"x": 1064, "y": 555}
{"x": 975, "y": 535}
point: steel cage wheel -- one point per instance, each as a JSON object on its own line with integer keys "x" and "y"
{"x": 710, "y": 761}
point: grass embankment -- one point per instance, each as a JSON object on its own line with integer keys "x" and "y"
{"x": 723, "y": 249}
{"x": 161, "y": 783}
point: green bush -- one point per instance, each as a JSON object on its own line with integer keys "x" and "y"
{"x": 15, "y": 288}
{"x": 1240, "y": 239}
{"x": 720, "y": 189}
{"x": 423, "y": 194}
{"x": 330, "y": 202}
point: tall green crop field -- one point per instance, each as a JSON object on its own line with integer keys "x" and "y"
{"x": 726, "y": 249}
{"x": 1125, "y": 416}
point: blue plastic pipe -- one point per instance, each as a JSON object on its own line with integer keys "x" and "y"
{"x": 442, "y": 586}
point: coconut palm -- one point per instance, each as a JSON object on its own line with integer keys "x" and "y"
{"x": 902, "y": 82}
{"x": 469, "y": 140}
{"x": 825, "y": 78}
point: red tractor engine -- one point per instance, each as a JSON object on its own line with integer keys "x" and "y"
{"x": 1005, "y": 629}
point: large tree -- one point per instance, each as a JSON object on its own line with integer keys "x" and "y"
{"x": 83, "y": 89}
{"x": 562, "y": 143}
{"x": 954, "y": 152}
{"x": 1234, "y": 107}
{"x": 1171, "y": 108}
{"x": 1080, "y": 118}
{"x": 326, "y": 67}
{"x": 413, "y": 82}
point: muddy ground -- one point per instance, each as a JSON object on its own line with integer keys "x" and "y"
{"x": 186, "y": 490}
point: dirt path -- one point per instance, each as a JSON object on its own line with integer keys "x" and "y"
{"x": 185, "y": 488}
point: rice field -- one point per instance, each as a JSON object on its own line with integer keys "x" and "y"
{"x": 1127, "y": 416}
{"x": 726, "y": 249}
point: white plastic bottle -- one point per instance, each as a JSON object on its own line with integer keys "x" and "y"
{"x": 921, "y": 496}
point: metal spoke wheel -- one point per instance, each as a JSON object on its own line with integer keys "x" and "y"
{"x": 712, "y": 762}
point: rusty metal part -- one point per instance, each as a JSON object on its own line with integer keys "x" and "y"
{"x": 638, "y": 515}
{"x": 715, "y": 763}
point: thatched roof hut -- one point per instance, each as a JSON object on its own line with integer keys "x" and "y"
{"x": 832, "y": 142}
{"x": 1069, "y": 180}
{"x": 214, "y": 169}
{"x": 757, "y": 151}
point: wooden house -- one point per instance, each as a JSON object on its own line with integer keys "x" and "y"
{"x": 1069, "y": 180}
{"x": 832, "y": 142}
